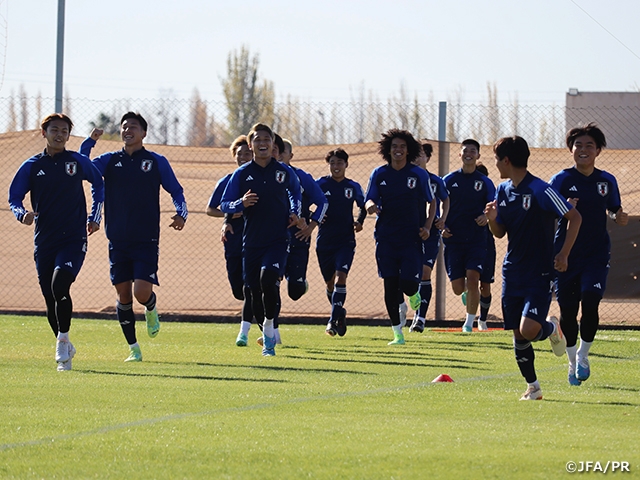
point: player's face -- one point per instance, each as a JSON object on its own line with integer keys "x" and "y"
{"x": 262, "y": 145}
{"x": 502, "y": 167}
{"x": 287, "y": 155}
{"x": 469, "y": 154}
{"x": 131, "y": 132}
{"x": 422, "y": 160}
{"x": 337, "y": 167}
{"x": 243, "y": 155}
{"x": 585, "y": 152}
{"x": 56, "y": 134}
{"x": 398, "y": 150}
{"x": 275, "y": 152}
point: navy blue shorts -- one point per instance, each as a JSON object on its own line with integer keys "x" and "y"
{"x": 590, "y": 277}
{"x": 297, "y": 261}
{"x": 271, "y": 257}
{"x": 338, "y": 259}
{"x": 431, "y": 248}
{"x": 460, "y": 257}
{"x": 489, "y": 265}
{"x": 532, "y": 303}
{"x": 69, "y": 256}
{"x": 130, "y": 261}
{"x": 403, "y": 261}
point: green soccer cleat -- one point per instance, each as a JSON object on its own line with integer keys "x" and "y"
{"x": 135, "y": 355}
{"x": 463, "y": 297}
{"x": 398, "y": 339}
{"x": 153, "y": 322}
{"x": 415, "y": 300}
{"x": 241, "y": 340}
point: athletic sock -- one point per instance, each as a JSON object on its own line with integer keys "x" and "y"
{"x": 469, "y": 321}
{"x": 485, "y": 304}
{"x": 127, "y": 321}
{"x": 571, "y": 354}
{"x": 535, "y": 385}
{"x": 63, "y": 336}
{"x": 397, "y": 329}
{"x": 267, "y": 328}
{"x": 583, "y": 350}
{"x": 337, "y": 300}
{"x": 330, "y": 295}
{"x": 151, "y": 303}
{"x": 245, "y": 327}
{"x": 425, "y": 294}
{"x": 525, "y": 358}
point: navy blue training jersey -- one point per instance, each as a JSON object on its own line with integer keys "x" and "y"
{"x": 233, "y": 245}
{"x": 311, "y": 195}
{"x": 528, "y": 213}
{"x": 596, "y": 194}
{"x": 337, "y": 228}
{"x": 132, "y": 193}
{"x": 469, "y": 194}
{"x": 57, "y": 196}
{"x": 278, "y": 190}
{"x": 440, "y": 193}
{"x": 400, "y": 196}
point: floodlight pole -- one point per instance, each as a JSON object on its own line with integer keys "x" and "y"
{"x": 60, "y": 56}
{"x": 443, "y": 169}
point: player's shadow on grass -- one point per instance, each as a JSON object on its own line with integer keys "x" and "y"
{"x": 583, "y": 402}
{"x": 625, "y": 389}
{"x": 273, "y": 368}
{"x": 401, "y": 362}
{"x": 183, "y": 377}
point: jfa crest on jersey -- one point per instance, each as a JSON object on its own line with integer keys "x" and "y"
{"x": 603, "y": 188}
{"x": 477, "y": 185}
{"x": 71, "y": 168}
{"x": 526, "y": 201}
{"x": 412, "y": 182}
{"x": 280, "y": 176}
{"x": 146, "y": 165}
{"x": 348, "y": 192}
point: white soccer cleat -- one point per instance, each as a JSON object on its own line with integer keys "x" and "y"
{"x": 482, "y": 326}
{"x": 62, "y": 351}
{"x": 557, "y": 338}
{"x": 532, "y": 393}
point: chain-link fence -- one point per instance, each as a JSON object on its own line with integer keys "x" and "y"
{"x": 194, "y": 134}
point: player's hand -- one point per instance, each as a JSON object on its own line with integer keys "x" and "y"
{"x": 96, "y": 133}
{"x": 357, "y": 227}
{"x": 236, "y": 215}
{"x": 573, "y": 201}
{"x": 294, "y": 221}
{"x": 491, "y": 211}
{"x": 29, "y": 217}
{"x": 424, "y": 233}
{"x": 561, "y": 262}
{"x": 622, "y": 218}
{"x": 178, "y": 222}
{"x": 226, "y": 227}
{"x": 371, "y": 209}
{"x": 249, "y": 199}
{"x": 446, "y": 233}
{"x": 439, "y": 223}
{"x": 92, "y": 227}
{"x": 305, "y": 233}
{"x": 482, "y": 220}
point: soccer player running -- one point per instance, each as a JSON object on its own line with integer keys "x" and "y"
{"x": 487, "y": 277}
{"x": 430, "y": 246}
{"x": 231, "y": 236}
{"x": 593, "y": 192}
{"x": 132, "y": 179}
{"x": 397, "y": 193}
{"x": 268, "y": 193}
{"x": 465, "y": 233}
{"x": 336, "y": 240}
{"x": 526, "y": 209}
{"x": 54, "y": 178}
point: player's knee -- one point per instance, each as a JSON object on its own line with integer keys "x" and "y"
{"x": 61, "y": 284}
{"x": 296, "y": 289}
{"x": 238, "y": 292}
{"x": 409, "y": 287}
{"x": 269, "y": 279}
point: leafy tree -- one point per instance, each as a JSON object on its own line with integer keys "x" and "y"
{"x": 249, "y": 100}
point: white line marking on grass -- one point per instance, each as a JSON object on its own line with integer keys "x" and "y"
{"x": 258, "y": 406}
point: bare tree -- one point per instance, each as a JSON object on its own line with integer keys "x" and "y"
{"x": 198, "y": 128}
{"x": 38, "y": 110}
{"x": 249, "y": 99}
{"x": 12, "y": 124}
{"x": 24, "y": 108}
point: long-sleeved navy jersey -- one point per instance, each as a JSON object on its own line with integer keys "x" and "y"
{"x": 596, "y": 194}
{"x": 132, "y": 193}
{"x": 233, "y": 245}
{"x": 311, "y": 195}
{"x": 279, "y": 195}
{"x": 400, "y": 196}
{"x": 337, "y": 229}
{"x": 57, "y": 196}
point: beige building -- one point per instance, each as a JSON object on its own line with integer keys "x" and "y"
{"x": 616, "y": 113}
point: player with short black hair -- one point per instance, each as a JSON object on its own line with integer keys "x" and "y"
{"x": 132, "y": 178}
{"x": 465, "y": 235}
{"x": 267, "y": 192}
{"x": 397, "y": 193}
{"x": 593, "y": 192}
{"x": 526, "y": 208}
{"x": 336, "y": 240}
{"x": 54, "y": 177}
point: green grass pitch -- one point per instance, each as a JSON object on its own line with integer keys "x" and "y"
{"x": 351, "y": 407}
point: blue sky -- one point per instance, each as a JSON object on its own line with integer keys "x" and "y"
{"x": 325, "y": 51}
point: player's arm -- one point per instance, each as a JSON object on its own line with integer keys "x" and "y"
{"x": 213, "y": 209}
{"x": 619, "y": 216}
{"x": 373, "y": 195}
{"x": 446, "y": 204}
{"x": 362, "y": 213}
{"x": 614, "y": 204}
{"x": 295, "y": 200}
{"x": 18, "y": 190}
{"x": 574, "y": 220}
{"x": 170, "y": 184}
{"x": 87, "y": 145}
{"x": 93, "y": 176}
{"x": 497, "y": 228}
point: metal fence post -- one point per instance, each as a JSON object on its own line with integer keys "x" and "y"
{"x": 443, "y": 169}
